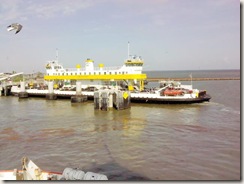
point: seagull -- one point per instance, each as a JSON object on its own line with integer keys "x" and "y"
{"x": 14, "y": 26}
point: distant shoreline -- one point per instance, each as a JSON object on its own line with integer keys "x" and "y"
{"x": 152, "y": 79}
{"x": 203, "y": 70}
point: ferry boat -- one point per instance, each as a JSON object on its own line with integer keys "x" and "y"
{"x": 127, "y": 77}
{"x": 30, "y": 171}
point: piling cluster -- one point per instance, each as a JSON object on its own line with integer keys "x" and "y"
{"x": 108, "y": 99}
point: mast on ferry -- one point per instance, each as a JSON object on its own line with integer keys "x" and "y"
{"x": 128, "y": 49}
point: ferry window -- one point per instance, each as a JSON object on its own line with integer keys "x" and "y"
{"x": 115, "y": 73}
{"x": 104, "y": 73}
{"x": 110, "y": 73}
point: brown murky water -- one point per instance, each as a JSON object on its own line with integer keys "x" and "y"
{"x": 146, "y": 142}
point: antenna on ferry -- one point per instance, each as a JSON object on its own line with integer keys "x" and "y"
{"x": 128, "y": 49}
{"x": 191, "y": 78}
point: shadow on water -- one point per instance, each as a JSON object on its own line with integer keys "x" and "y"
{"x": 115, "y": 172}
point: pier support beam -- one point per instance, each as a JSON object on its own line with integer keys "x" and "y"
{"x": 5, "y": 88}
{"x": 1, "y": 90}
{"x": 22, "y": 93}
{"x": 78, "y": 98}
{"x": 51, "y": 95}
{"x": 101, "y": 100}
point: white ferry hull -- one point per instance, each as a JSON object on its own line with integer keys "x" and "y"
{"x": 141, "y": 97}
{"x": 173, "y": 100}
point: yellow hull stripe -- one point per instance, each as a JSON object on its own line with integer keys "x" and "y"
{"x": 96, "y": 77}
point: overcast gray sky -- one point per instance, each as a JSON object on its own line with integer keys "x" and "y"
{"x": 167, "y": 34}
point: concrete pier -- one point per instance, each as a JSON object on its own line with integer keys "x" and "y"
{"x": 1, "y": 90}
{"x": 121, "y": 100}
{"x": 51, "y": 95}
{"x": 78, "y": 98}
{"x": 101, "y": 100}
{"x": 22, "y": 93}
{"x": 109, "y": 99}
{"x": 5, "y": 88}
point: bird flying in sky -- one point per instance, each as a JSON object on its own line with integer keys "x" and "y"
{"x": 15, "y": 26}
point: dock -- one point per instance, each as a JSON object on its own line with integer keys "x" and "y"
{"x": 189, "y": 79}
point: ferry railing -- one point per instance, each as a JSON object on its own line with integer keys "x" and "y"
{"x": 94, "y": 69}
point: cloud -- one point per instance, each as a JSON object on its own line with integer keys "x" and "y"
{"x": 23, "y": 9}
{"x": 222, "y": 2}
{"x": 9, "y": 10}
{"x": 56, "y": 8}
